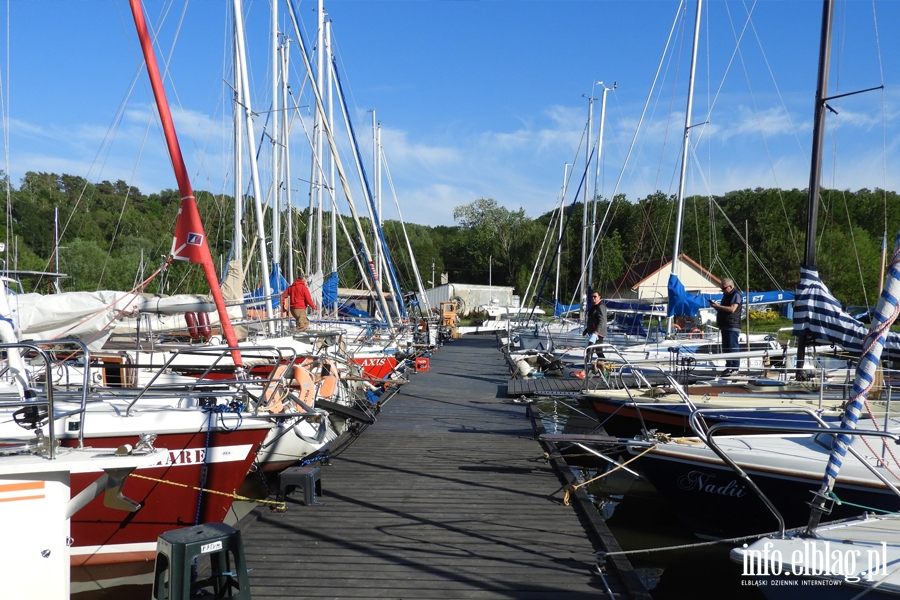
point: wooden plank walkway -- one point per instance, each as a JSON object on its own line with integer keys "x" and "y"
{"x": 544, "y": 386}
{"x": 446, "y": 496}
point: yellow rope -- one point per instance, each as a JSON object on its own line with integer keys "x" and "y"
{"x": 570, "y": 489}
{"x": 282, "y": 506}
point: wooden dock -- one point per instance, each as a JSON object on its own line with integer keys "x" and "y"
{"x": 447, "y": 495}
{"x": 544, "y": 386}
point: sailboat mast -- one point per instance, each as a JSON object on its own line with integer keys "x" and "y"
{"x": 317, "y": 179}
{"x": 331, "y": 174}
{"x": 593, "y": 242}
{"x": 375, "y": 241}
{"x": 194, "y": 236}
{"x": 815, "y": 169}
{"x": 56, "y": 247}
{"x": 685, "y": 149}
{"x": 237, "y": 248}
{"x": 286, "y": 161}
{"x": 560, "y": 215}
{"x": 254, "y": 166}
{"x": 584, "y": 217}
{"x": 276, "y": 176}
{"x": 323, "y": 79}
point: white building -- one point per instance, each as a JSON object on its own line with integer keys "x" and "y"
{"x": 650, "y": 280}
{"x": 470, "y": 296}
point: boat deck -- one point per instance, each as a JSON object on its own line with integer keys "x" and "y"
{"x": 447, "y": 495}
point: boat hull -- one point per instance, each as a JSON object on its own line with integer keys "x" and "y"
{"x": 714, "y": 502}
{"x": 377, "y": 367}
{"x": 169, "y": 500}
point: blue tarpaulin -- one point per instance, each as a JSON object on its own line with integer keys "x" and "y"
{"x": 329, "y": 291}
{"x": 348, "y": 310}
{"x": 278, "y": 284}
{"x": 682, "y": 303}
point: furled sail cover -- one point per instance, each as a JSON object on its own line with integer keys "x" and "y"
{"x": 561, "y": 309}
{"x": 88, "y": 316}
{"x": 818, "y": 314}
{"x": 681, "y": 302}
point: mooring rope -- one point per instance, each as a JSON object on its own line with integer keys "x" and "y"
{"x": 278, "y": 505}
{"x": 831, "y": 494}
{"x": 603, "y": 555}
{"x": 570, "y": 489}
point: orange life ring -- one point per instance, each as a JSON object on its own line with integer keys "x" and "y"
{"x": 695, "y": 333}
{"x": 273, "y": 393}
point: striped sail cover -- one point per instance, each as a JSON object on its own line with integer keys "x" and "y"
{"x": 818, "y": 314}
{"x": 872, "y": 346}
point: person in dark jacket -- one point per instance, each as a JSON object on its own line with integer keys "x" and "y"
{"x": 596, "y": 322}
{"x": 728, "y": 320}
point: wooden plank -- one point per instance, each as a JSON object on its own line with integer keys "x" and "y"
{"x": 445, "y": 496}
{"x": 545, "y": 386}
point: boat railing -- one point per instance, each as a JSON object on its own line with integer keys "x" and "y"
{"x": 34, "y": 408}
{"x": 610, "y": 356}
{"x": 267, "y": 356}
{"x": 202, "y": 377}
{"x": 708, "y": 437}
{"x": 672, "y": 384}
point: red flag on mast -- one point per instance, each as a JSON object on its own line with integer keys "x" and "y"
{"x": 190, "y": 240}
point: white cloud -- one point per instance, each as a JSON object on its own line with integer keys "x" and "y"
{"x": 768, "y": 123}
{"x": 433, "y": 204}
{"x": 403, "y": 154}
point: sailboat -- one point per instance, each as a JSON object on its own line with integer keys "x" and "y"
{"x": 857, "y": 557}
{"x": 210, "y": 435}
{"x": 712, "y": 479}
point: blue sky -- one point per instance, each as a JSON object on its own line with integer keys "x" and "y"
{"x": 475, "y": 99}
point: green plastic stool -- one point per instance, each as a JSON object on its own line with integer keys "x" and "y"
{"x": 176, "y": 552}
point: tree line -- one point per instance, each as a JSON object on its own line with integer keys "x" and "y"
{"x": 111, "y": 236}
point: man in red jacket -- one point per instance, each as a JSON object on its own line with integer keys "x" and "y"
{"x": 298, "y": 299}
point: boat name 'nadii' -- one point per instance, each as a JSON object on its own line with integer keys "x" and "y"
{"x": 703, "y": 482}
